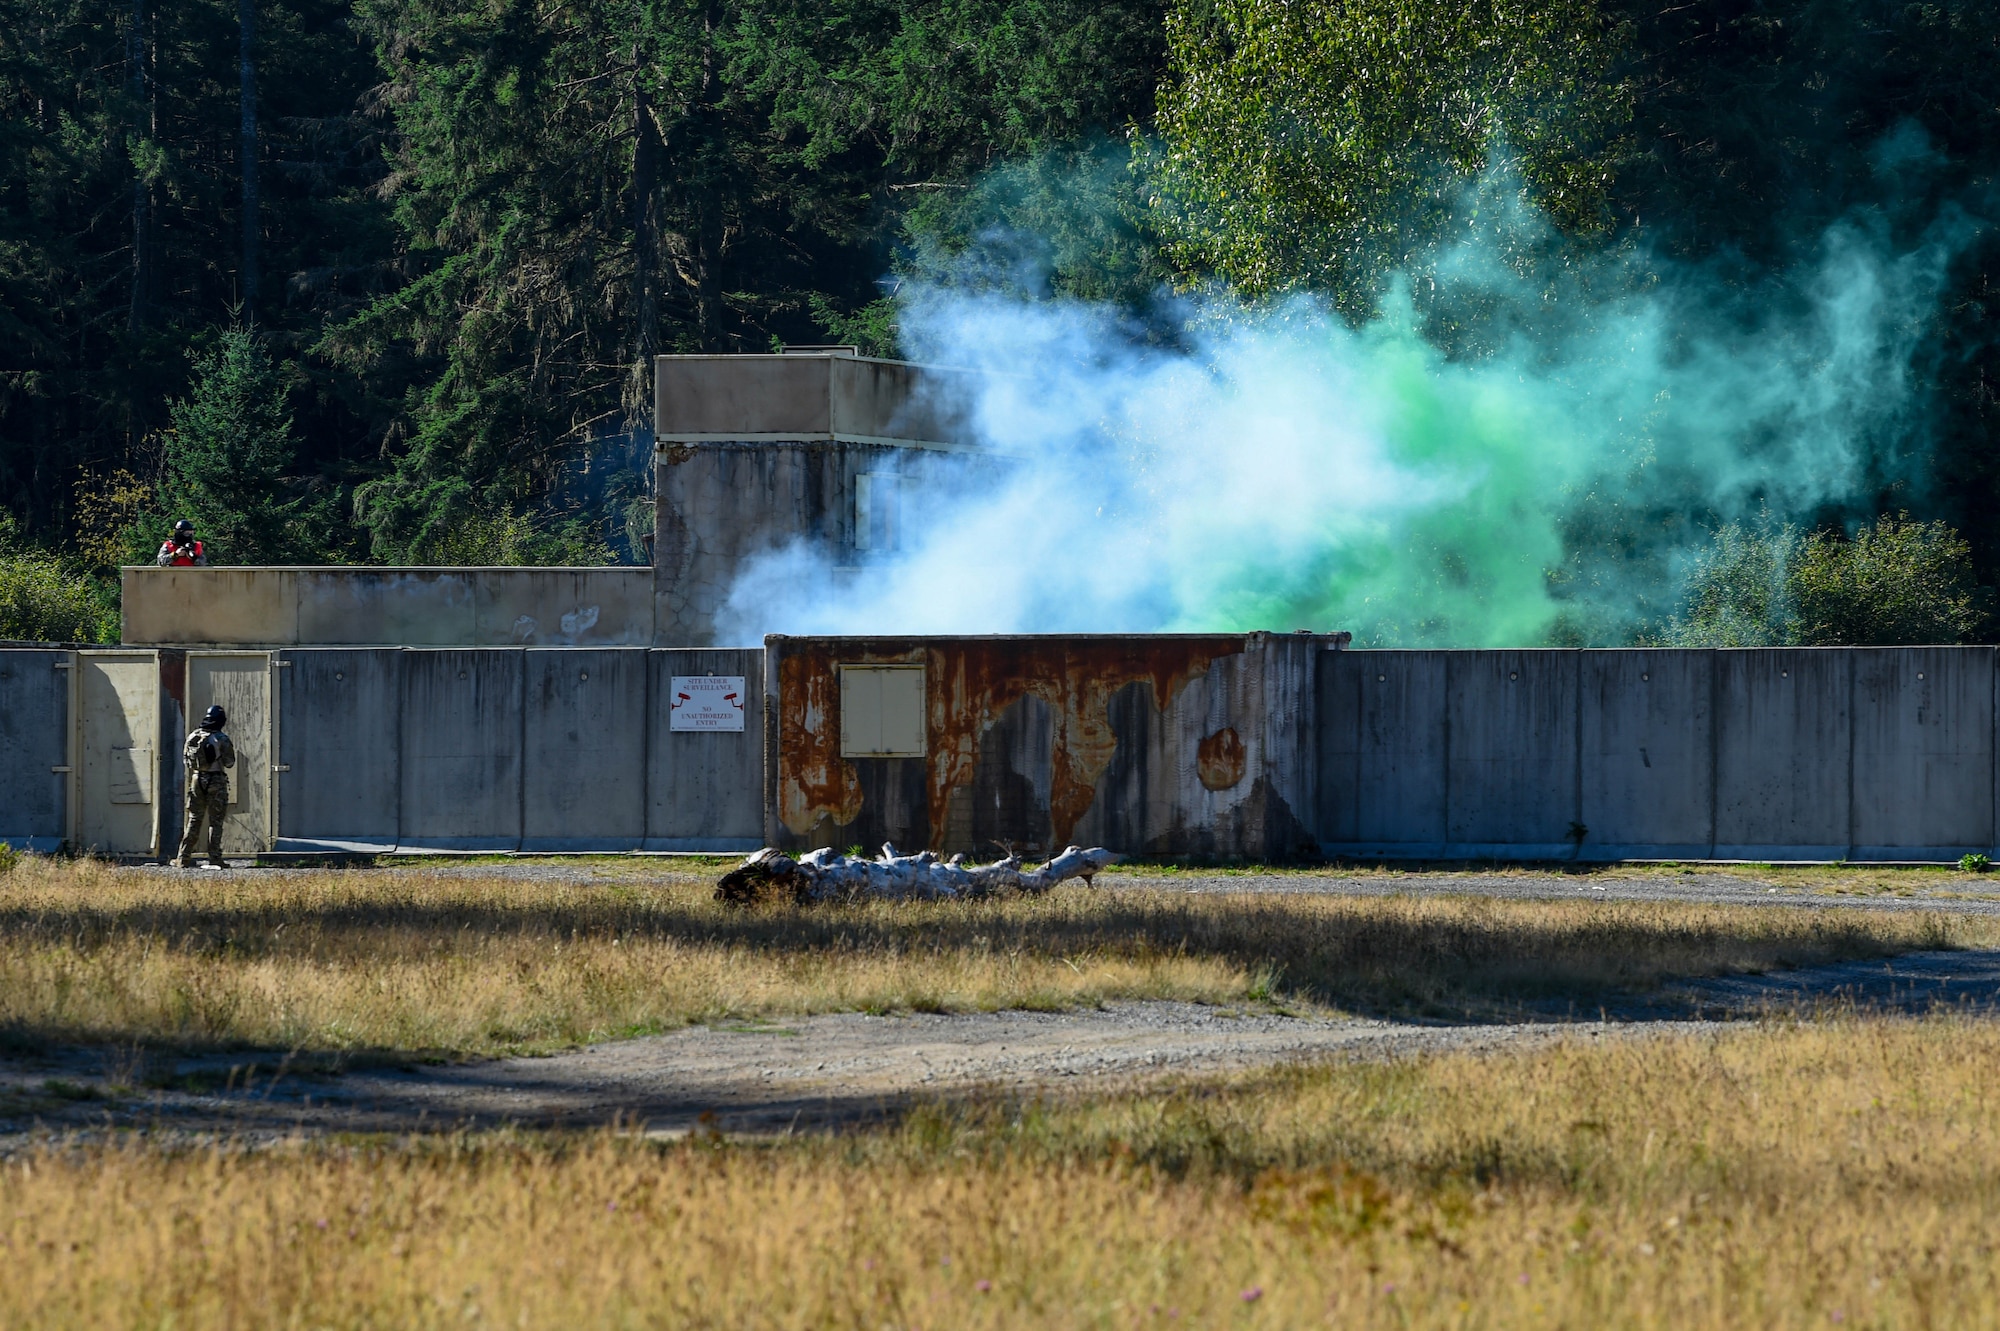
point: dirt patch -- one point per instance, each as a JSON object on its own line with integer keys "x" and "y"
{"x": 752, "y": 1077}
{"x": 828, "y": 1070}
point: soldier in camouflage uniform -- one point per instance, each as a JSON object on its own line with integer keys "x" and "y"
{"x": 208, "y": 754}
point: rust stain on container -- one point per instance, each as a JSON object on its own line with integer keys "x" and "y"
{"x": 968, "y": 685}
{"x": 1218, "y": 761}
{"x": 971, "y": 684}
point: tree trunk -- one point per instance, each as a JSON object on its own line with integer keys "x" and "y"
{"x": 707, "y": 211}
{"x": 827, "y": 875}
{"x": 135, "y": 52}
{"x": 246, "y": 19}
{"x": 645, "y": 232}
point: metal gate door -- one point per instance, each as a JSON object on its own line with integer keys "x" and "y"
{"x": 118, "y": 716}
{"x": 241, "y": 683}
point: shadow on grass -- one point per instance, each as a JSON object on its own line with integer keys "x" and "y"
{"x": 1455, "y": 960}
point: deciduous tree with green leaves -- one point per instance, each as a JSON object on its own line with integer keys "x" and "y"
{"x": 1318, "y": 145}
{"x": 1894, "y": 583}
{"x": 44, "y": 598}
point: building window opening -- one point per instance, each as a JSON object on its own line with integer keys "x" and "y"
{"x": 878, "y": 511}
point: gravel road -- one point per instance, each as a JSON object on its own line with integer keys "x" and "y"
{"x": 1960, "y": 894}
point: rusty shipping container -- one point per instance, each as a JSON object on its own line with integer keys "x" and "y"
{"x": 1161, "y": 745}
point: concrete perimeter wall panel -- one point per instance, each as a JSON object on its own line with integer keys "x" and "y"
{"x": 339, "y": 735}
{"x": 1648, "y": 754}
{"x": 1382, "y": 744}
{"x": 462, "y": 749}
{"x": 1784, "y": 738}
{"x": 1513, "y": 753}
{"x": 585, "y": 775}
{"x": 221, "y": 606}
{"x": 1923, "y": 752}
{"x": 705, "y": 789}
{"x": 415, "y": 606}
{"x": 34, "y": 740}
{"x": 563, "y": 607}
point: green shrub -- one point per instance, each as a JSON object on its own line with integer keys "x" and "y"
{"x": 1898, "y": 582}
{"x": 1895, "y": 583}
{"x": 43, "y": 599}
{"x": 1737, "y": 593}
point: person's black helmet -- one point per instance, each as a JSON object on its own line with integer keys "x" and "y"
{"x": 215, "y": 718}
{"x": 183, "y": 526}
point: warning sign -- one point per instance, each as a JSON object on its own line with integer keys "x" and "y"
{"x": 707, "y": 702}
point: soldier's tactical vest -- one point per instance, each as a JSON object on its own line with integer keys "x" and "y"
{"x": 209, "y": 753}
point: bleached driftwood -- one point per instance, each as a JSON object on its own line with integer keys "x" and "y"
{"x": 827, "y": 875}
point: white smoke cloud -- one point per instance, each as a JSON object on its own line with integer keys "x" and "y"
{"x": 1279, "y": 470}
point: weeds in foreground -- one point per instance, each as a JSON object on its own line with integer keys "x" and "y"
{"x": 1782, "y": 1175}
{"x": 473, "y": 962}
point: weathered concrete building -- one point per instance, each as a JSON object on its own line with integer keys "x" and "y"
{"x": 751, "y": 454}
{"x": 587, "y": 709}
{"x": 758, "y": 452}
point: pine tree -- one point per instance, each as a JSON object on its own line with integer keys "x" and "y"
{"x": 228, "y": 452}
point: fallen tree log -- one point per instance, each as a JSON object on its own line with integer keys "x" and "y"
{"x": 826, "y": 875}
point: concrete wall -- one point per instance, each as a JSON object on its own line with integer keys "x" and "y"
{"x": 1648, "y": 781}
{"x": 1256, "y": 746}
{"x": 1158, "y": 745}
{"x": 585, "y": 784}
{"x": 464, "y": 735}
{"x": 495, "y": 749}
{"x": 1766, "y": 754}
{"x": 705, "y": 789}
{"x": 461, "y": 607}
{"x": 339, "y": 722}
{"x": 719, "y": 506}
{"x": 35, "y": 747}
{"x": 809, "y": 398}
{"x": 1922, "y": 772}
{"x": 757, "y": 453}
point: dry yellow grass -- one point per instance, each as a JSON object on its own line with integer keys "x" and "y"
{"x": 1782, "y": 1175}
{"x": 477, "y": 963}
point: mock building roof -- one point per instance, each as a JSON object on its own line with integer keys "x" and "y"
{"x": 822, "y": 395}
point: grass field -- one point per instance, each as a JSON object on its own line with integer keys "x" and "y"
{"x": 470, "y": 962}
{"x": 1844, "y": 1172}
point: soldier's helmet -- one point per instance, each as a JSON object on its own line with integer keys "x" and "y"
{"x": 214, "y": 719}
{"x": 183, "y": 528}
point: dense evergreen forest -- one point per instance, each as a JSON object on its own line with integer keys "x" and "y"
{"x": 378, "y": 279}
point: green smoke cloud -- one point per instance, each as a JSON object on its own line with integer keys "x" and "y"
{"x": 1521, "y": 447}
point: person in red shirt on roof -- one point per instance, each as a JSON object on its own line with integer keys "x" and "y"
{"x": 182, "y": 550}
